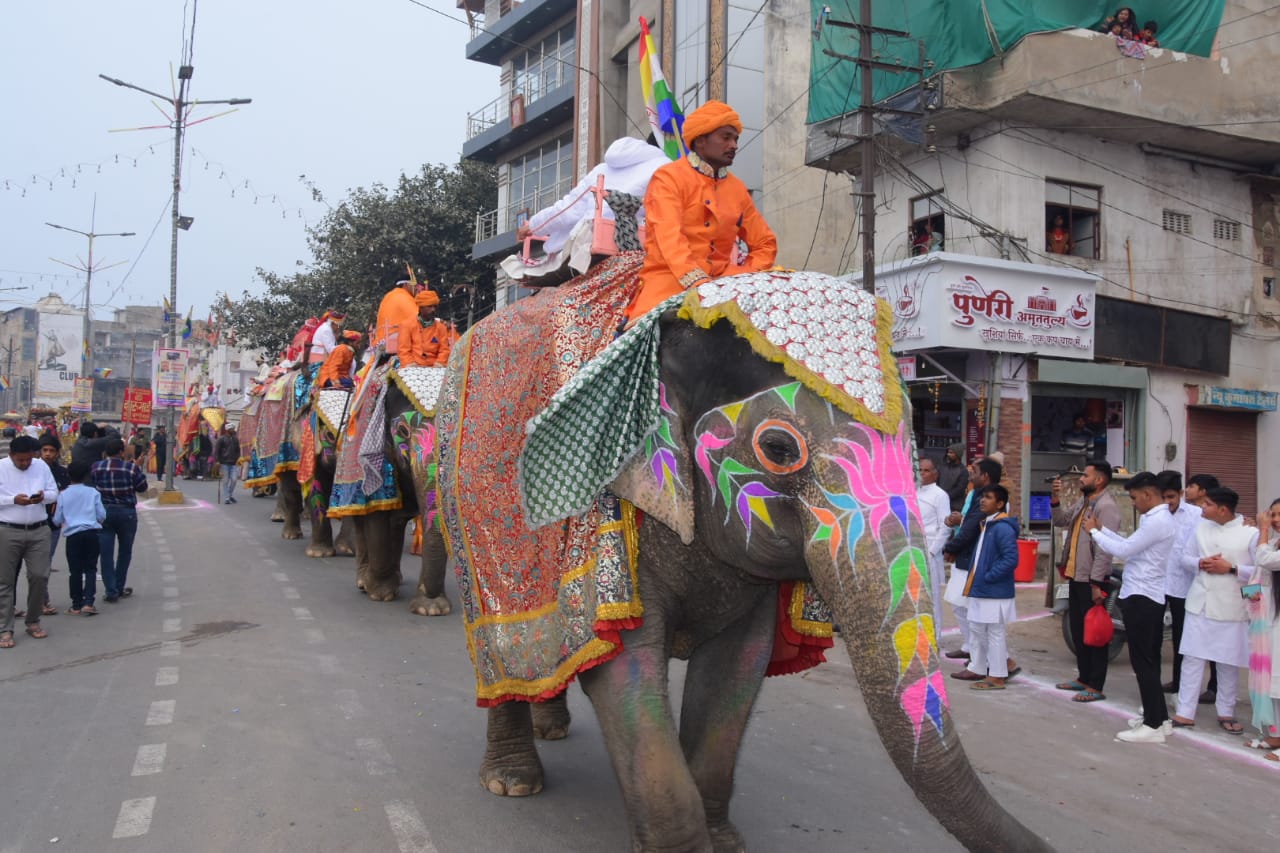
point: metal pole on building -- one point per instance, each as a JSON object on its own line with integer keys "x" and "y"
{"x": 178, "y": 122}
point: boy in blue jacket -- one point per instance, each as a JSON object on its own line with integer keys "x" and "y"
{"x": 80, "y": 513}
{"x": 990, "y": 592}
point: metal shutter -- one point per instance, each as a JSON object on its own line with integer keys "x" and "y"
{"x": 1225, "y": 444}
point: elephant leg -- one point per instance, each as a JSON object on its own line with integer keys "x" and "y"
{"x": 384, "y": 540}
{"x": 429, "y": 599}
{"x": 713, "y": 718}
{"x": 511, "y": 766}
{"x": 551, "y": 718}
{"x": 361, "y": 537}
{"x": 321, "y": 533}
{"x": 291, "y": 501}
{"x": 344, "y": 544}
{"x": 630, "y": 696}
{"x": 277, "y": 512}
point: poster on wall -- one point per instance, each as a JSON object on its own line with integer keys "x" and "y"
{"x": 59, "y": 341}
{"x": 170, "y": 380}
{"x": 975, "y": 436}
{"x": 82, "y": 398}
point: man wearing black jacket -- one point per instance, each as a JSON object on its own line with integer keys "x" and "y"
{"x": 91, "y": 445}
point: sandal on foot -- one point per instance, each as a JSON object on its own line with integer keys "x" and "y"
{"x": 88, "y": 610}
{"x": 967, "y": 675}
{"x": 1014, "y": 671}
{"x": 35, "y": 632}
{"x": 1178, "y": 724}
{"x": 49, "y": 610}
{"x": 74, "y": 611}
{"x": 18, "y": 614}
{"x": 986, "y": 685}
{"x": 1231, "y": 726}
{"x": 1260, "y": 743}
{"x": 6, "y": 640}
{"x": 1088, "y": 696}
{"x": 1273, "y": 755}
{"x": 1071, "y": 685}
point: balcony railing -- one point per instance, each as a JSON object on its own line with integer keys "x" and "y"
{"x": 487, "y": 116}
{"x": 555, "y": 72}
{"x": 491, "y": 223}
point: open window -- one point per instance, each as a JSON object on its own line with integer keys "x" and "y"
{"x": 928, "y": 228}
{"x": 1073, "y": 219}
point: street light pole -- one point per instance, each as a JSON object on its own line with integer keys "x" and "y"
{"x": 88, "y": 268}
{"x": 178, "y": 122}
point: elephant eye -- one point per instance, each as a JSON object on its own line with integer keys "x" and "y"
{"x": 780, "y": 447}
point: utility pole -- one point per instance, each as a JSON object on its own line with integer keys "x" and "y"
{"x": 8, "y": 374}
{"x": 178, "y": 122}
{"x": 88, "y": 268}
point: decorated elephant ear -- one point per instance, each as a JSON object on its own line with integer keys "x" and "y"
{"x": 657, "y": 479}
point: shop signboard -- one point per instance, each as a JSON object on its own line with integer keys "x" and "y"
{"x": 137, "y": 406}
{"x": 1248, "y": 399}
{"x": 907, "y": 368}
{"x": 966, "y": 302}
{"x": 58, "y": 353}
{"x": 82, "y": 397}
{"x": 170, "y": 380}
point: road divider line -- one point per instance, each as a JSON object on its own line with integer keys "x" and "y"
{"x": 170, "y": 592}
{"x": 134, "y": 819}
{"x": 161, "y": 712}
{"x": 172, "y": 626}
{"x": 407, "y": 826}
{"x": 166, "y": 676}
{"x": 150, "y": 759}
{"x": 329, "y": 664}
{"x": 170, "y": 648}
{"x": 292, "y": 593}
{"x": 349, "y": 704}
{"x": 377, "y": 761}
{"x": 302, "y": 613}
{"x": 171, "y": 606}
{"x": 314, "y": 636}
{"x": 267, "y": 561}
{"x": 280, "y": 576}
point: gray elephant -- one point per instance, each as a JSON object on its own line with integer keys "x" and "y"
{"x": 770, "y": 490}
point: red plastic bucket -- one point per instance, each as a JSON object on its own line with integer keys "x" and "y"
{"x": 1028, "y": 550}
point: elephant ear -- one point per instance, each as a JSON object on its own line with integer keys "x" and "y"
{"x": 658, "y": 478}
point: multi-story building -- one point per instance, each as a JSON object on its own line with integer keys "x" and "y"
{"x": 19, "y": 330}
{"x": 123, "y": 346}
{"x": 1143, "y": 183}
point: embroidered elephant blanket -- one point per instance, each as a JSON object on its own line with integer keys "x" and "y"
{"x": 364, "y": 479}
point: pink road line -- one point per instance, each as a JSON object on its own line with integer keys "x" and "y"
{"x": 193, "y": 504}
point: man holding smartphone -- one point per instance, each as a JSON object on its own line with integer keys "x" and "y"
{"x": 26, "y": 485}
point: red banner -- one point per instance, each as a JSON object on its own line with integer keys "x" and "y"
{"x": 137, "y": 406}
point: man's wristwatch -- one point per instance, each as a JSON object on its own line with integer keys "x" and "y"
{"x": 1232, "y": 571}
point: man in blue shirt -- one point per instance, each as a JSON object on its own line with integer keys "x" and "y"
{"x": 118, "y": 481}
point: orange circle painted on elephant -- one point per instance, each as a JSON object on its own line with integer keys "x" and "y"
{"x": 782, "y": 426}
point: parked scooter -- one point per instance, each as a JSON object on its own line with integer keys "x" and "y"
{"x": 1112, "y": 604}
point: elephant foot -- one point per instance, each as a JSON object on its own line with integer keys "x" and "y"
{"x": 512, "y": 775}
{"x": 341, "y": 550}
{"x": 277, "y": 517}
{"x": 725, "y": 838}
{"x": 319, "y": 551}
{"x": 291, "y": 532}
{"x": 551, "y": 718}
{"x": 385, "y": 589}
{"x": 422, "y": 605}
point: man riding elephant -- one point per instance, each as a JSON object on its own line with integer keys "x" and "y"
{"x": 696, "y": 213}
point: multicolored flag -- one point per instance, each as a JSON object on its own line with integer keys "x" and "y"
{"x": 103, "y": 372}
{"x": 4, "y": 383}
{"x": 665, "y": 116}
{"x": 186, "y": 330}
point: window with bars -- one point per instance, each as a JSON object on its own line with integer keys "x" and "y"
{"x": 1226, "y": 229}
{"x": 1268, "y": 256}
{"x": 1175, "y": 221}
{"x": 928, "y": 225}
{"x": 1073, "y": 219}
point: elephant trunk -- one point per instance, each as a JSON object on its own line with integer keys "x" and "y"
{"x": 906, "y": 697}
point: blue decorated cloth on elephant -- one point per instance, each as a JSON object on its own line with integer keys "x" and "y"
{"x": 539, "y": 605}
{"x": 364, "y": 479}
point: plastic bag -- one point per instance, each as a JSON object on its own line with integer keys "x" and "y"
{"x": 1098, "y": 627}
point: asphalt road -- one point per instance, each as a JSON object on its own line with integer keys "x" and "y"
{"x": 249, "y": 699}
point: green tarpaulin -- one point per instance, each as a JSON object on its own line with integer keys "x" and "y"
{"x": 958, "y": 33}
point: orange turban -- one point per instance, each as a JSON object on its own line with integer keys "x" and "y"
{"x": 351, "y": 335}
{"x": 709, "y": 118}
{"x": 426, "y": 297}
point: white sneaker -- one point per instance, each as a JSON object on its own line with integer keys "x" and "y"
{"x": 1142, "y": 734}
{"x": 1166, "y": 727}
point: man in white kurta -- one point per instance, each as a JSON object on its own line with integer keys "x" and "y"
{"x": 1177, "y": 578}
{"x": 935, "y": 506}
{"x": 325, "y": 339}
{"x": 1221, "y": 549}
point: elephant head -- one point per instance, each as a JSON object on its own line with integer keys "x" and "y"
{"x": 781, "y": 483}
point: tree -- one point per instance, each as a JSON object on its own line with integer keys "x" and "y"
{"x": 365, "y": 244}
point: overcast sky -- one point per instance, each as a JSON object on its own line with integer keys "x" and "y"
{"x": 348, "y": 94}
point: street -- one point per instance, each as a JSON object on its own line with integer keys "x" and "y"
{"x": 247, "y": 698}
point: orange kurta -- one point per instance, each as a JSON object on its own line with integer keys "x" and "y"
{"x": 425, "y": 346}
{"x": 337, "y": 366}
{"x": 693, "y": 220}
{"x": 396, "y": 310}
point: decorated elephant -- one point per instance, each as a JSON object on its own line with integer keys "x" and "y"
{"x": 710, "y": 486}
{"x": 385, "y": 477}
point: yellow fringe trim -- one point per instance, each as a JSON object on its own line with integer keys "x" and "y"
{"x": 365, "y": 509}
{"x": 394, "y": 376}
{"x": 256, "y": 482}
{"x": 887, "y": 421}
{"x": 796, "y": 610}
{"x": 593, "y": 650}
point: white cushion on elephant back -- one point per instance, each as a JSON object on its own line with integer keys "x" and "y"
{"x": 421, "y": 385}
{"x": 827, "y": 332}
{"x": 331, "y": 406}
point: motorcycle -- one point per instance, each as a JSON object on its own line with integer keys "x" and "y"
{"x": 1061, "y": 594}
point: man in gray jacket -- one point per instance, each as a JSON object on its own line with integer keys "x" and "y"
{"x": 1088, "y": 571}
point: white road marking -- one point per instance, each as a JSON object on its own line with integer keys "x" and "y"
{"x": 292, "y": 593}
{"x": 135, "y": 818}
{"x": 377, "y": 761}
{"x": 166, "y": 676}
{"x": 150, "y": 759}
{"x": 172, "y": 626}
{"x": 314, "y": 636}
{"x": 171, "y": 606}
{"x": 407, "y": 826}
{"x": 302, "y": 613}
{"x": 280, "y": 576}
{"x": 170, "y": 648}
{"x": 170, "y": 592}
{"x": 161, "y": 712}
{"x": 167, "y": 567}
{"x": 329, "y": 664}
{"x": 349, "y": 704}
{"x": 269, "y": 562}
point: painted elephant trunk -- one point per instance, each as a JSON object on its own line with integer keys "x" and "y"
{"x": 905, "y": 695}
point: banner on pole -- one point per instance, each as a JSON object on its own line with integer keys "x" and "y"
{"x": 170, "y": 381}
{"x": 82, "y": 396}
{"x": 137, "y": 406}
